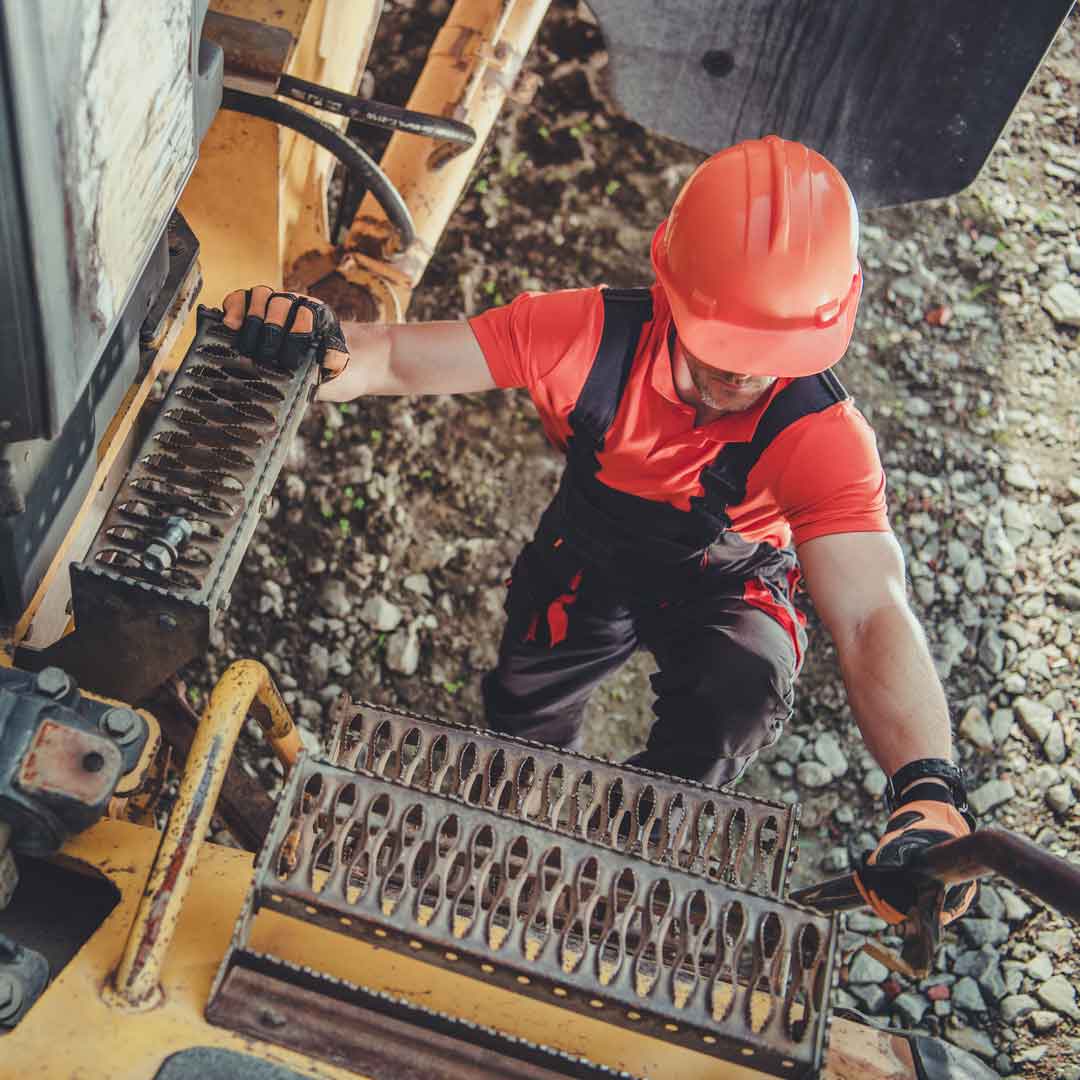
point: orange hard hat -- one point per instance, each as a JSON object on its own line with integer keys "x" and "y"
{"x": 758, "y": 260}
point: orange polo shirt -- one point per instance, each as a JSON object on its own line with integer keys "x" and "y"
{"x": 819, "y": 476}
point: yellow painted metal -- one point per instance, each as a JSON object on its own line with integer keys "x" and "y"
{"x": 75, "y": 1032}
{"x": 473, "y": 63}
{"x": 136, "y": 983}
{"x": 258, "y": 192}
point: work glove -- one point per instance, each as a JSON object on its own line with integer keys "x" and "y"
{"x": 923, "y": 815}
{"x": 284, "y": 330}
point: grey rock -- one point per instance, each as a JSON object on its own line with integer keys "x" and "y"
{"x": 827, "y": 750}
{"x": 989, "y": 903}
{"x": 318, "y": 663}
{"x": 1058, "y": 942}
{"x": 813, "y": 774}
{"x": 1035, "y": 718}
{"x": 1062, "y": 301}
{"x": 910, "y": 1007}
{"x": 1016, "y": 910}
{"x": 981, "y": 932}
{"x": 973, "y": 1041}
{"x": 1060, "y": 798}
{"x": 1001, "y": 725}
{"x": 958, "y": 554}
{"x": 865, "y": 969}
{"x": 334, "y": 598}
{"x": 1066, "y": 594}
{"x": 1040, "y": 967}
{"x": 873, "y": 783}
{"x": 1018, "y": 475}
{"x": 966, "y": 995}
{"x": 1054, "y": 744}
{"x": 841, "y": 999}
{"x": 976, "y": 730}
{"x": 872, "y": 997}
{"x": 993, "y": 793}
{"x": 975, "y": 576}
{"x": 864, "y": 923}
{"x": 1042, "y": 1021}
{"x": 380, "y": 614}
{"x": 403, "y": 651}
{"x": 418, "y": 584}
{"x": 1059, "y": 994}
{"x": 790, "y": 747}
{"x": 836, "y": 860}
{"x": 978, "y": 963}
{"x": 1004, "y": 1064}
{"x": 1016, "y": 1007}
{"x": 998, "y": 548}
{"x": 992, "y": 652}
{"x": 783, "y": 769}
{"x": 844, "y": 815}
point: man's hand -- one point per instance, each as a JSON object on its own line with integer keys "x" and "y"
{"x": 924, "y": 816}
{"x": 284, "y": 330}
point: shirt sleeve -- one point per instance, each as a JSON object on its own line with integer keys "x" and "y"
{"x": 827, "y": 475}
{"x": 525, "y": 341}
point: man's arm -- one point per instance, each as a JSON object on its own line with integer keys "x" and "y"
{"x": 365, "y": 358}
{"x": 409, "y": 358}
{"x": 856, "y": 581}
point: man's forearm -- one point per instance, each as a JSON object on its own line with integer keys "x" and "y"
{"x": 894, "y": 690}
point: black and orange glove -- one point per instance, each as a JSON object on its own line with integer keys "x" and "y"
{"x": 924, "y": 813}
{"x": 284, "y": 330}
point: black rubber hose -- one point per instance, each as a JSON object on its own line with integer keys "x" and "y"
{"x": 376, "y": 113}
{"x": 358, "y": 163}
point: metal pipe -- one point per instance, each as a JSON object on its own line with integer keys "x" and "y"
{"x": 136, "y": 983}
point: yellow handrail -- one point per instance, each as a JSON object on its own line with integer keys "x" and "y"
{"x": 136, "y": 983}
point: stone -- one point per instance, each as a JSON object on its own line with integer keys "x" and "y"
{"x": 993, "y": 793}
{"x": 827, "y": 750}
{"x": 1058, "y": 942}
{"x": 380, "y": 614}
{"x": 1016, "y": 910}
{"x": 1059, "y": 994}
{"x": 1018, "y": 475}
{"x": 403, "y": 651}
{"x": 973, "y": 1041}
{"x": 1062, "y": 301}
{"x": 1001, "y": 725}
{"x": 418, "y": 584}
{"x": 813, "y": 774}
{"x": 836, "y": 860}
{"x": 1035, "y": 718}
{"x": 989, "y": 903}
{"x": 874, "y": 782}
{"x": 865, "y": 969}
{"x": 1060, "y": 798}
{"x": 318, "y": 663}
{"x": 967, "y": 995}
{"x": 334, "y": 598}
{"x": 1042, "y": 1021}
{"x": 783, "y": 769}
{"x": 981, "y": 932}
{"x": 975, "y": 577}
{"x": 991, "y": 652}
{"x": 872, "y": 997}
{"x": 862, "y": 922}
{"x": 910, "y": 1007}
{"x": 976, "y": 730}
{"x": 977, "y": 962}
{"x": 1016, "y": 1007}
{"x": 790, "y": 748}
{"x": 1054, "y": 744}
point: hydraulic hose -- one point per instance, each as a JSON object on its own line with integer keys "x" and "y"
{"x": 376, "y": 113}
{"x": 358, "y": 163}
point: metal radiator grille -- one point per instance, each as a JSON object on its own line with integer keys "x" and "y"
{"x": 744, "y": 842}
{"x": 644, "y": 946}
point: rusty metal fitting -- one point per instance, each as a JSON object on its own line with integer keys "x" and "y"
{"x": 161, "y": 554}
{"x": 121, "y": 724}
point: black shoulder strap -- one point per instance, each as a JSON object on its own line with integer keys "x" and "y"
{"x": 724, "y": 480}
{"x": 626, "y": 311}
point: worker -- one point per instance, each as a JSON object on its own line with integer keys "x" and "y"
{"x": 712, "y": 459}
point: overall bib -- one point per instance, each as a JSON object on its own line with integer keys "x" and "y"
{"x": 608, "y": 572}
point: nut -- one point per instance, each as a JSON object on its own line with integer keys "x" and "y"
{"x": 53, "y": 682}
{"x": 122, "y": 724}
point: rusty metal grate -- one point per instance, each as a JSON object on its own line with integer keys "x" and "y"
{"x": 202, "y": 462}
{"x": 648, "y": 947}
{"x": 738, "y": 840}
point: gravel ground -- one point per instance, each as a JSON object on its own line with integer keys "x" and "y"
{"x": 380, "y": 567}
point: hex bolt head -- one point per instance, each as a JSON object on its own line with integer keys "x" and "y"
{"x": 53, "y": 682}
{"x": 122, "y": 724}
{"x": 11, "y": 995}
{"x": 158, "y": 557}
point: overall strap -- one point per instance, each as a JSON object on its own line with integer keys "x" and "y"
{"x": 626, "y": 311}
{"x": 724, "y": 480}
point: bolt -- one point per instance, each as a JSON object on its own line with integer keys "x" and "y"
{"x": 93, "y": 762}
{"x": 11, "y": 995}
{"x": 167, "y": 621}
{"x": 53, "y": 682}
{"x": 158, "y": 558}
{"x": 122, "y": 724}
